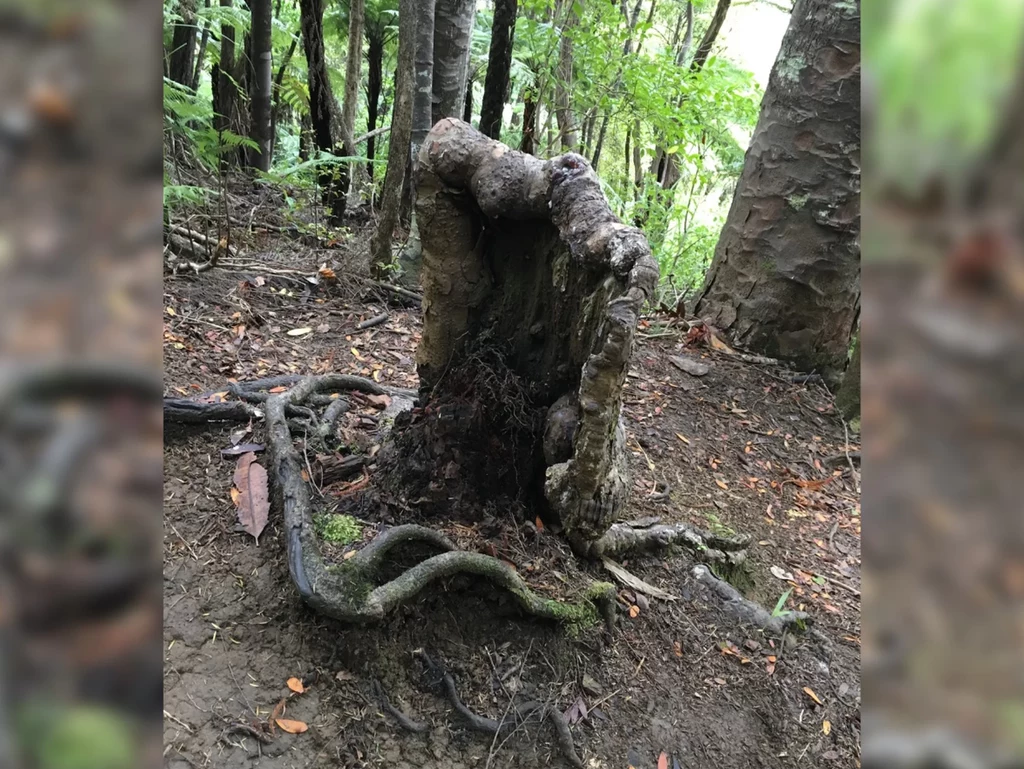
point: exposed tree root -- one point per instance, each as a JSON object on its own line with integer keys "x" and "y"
{"x": 748, "y": 612}
{"x": 647, "y": 536}
{"x": 443, "y": 679}
{"x": 409, "y": 724}
{"x": 348, "y": 591}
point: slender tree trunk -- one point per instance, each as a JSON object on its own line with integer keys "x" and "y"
{"x": 374, "y": 82}
{"x": 848, "y": 395}
{"x": 467, "y": 108}
{"x": 710, "y": 34}
{"x": 225, "y": 93}
{"x": 785, "y": 276}
{"x": 261, "y": 56}
{"x": 422, "y": 109}
{"x": 626, "y": 159}
{"x": 181, "y": 61}
{"x": 453, "y": 30}
{"x": 563, "y": 81}
{"x": 201, "y": 56}
{"x": 321, "y": 99}
{"x": 275, "y": 112}
{"x": 529, "y": 141}
{"x": 499, "y": 63}
{"x": 353, "y": 75}
{"x": 638, "y": 171}
{"x": 398, "y": 140}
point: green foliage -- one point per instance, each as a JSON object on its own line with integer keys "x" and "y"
{"x": 778, "y": 611}
{"x": 937, "y": 73}
{"x": 83, "y": 737}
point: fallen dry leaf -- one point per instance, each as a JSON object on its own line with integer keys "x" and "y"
{"x": 253, "y": 501}
{"x": 810, "y": 693}
{"x": 296, "y": 685}
{"x": 380, "y": 401}
{"x": 278, "y": 389}
{"x": 634, "y": 611}
{"x": 683, "y": 438}
{"x": 721, "y": 484}
{"x": 292, "y": 727}
{"x": 770, "y": 666}
{"x": 235, "y": 495}
{"x": 539, "y": 524}
{"x": 300, "y": 331}
{"x": 826, "y": 727}
{"x": 677, "y": 647}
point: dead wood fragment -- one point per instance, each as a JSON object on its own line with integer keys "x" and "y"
{"x": 376, "y": 320}
{"x": 705, "y": 546}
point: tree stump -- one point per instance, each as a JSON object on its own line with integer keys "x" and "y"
{"x": 532, "y": 290}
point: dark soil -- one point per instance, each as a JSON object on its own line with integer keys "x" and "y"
{"x": 739, "y": 448}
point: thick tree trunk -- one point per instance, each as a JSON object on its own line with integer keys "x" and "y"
{"x": 261, "y": 56}
{"x": 398, "y": 140}
{"x": 785, "y": 276}
{"x": 422, "y": 107}
{"x": 467, "y": 107}
{"x": 181, "y": 61}
{"x": 453, "y": 29}
{"x": 848, "y": 395}
{"x": 532, "y": 290}
{"x": 374, "y": 83}
{"x": 567, "y": 129}
{"x": 321, "y": 99}
{"x": 353, "y": 74}
{"x": 499, "y": 63}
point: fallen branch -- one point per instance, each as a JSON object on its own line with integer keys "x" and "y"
{"x": 746, "y": 611}
{"x": 369, "y": 135}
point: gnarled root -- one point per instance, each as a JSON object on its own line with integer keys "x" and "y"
{"x": 348, "y": 591}
{"x": 748, "y": 612}
{"x": 728, "y": 552}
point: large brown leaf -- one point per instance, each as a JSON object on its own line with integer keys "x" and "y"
{"x": 252, "y": 498}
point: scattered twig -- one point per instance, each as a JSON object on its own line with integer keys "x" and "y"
{"x": 257, "y": 734}
{"x": 376, "y": 320}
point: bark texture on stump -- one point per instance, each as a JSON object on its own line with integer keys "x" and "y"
{"x": 785, "y": 276}
{"x": 532, "y": 289}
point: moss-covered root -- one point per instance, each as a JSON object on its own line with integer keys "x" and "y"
{"x": 585, "y": 612}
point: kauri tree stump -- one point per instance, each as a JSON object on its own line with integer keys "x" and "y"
{"x": 532, "y": 289}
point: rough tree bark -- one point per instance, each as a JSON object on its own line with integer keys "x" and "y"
{"x": 531, "y": 289}
{"x": 499, "y": 62}
{"x": 785, "y": 276}
{"x": 311, "y": 17}
{"x": 567, "y": 129}
{"x": 353, "y": 73}
{"x": 453, "y": 28}
{"x": 262, "y": 57}
{"x": 398, "y": 140}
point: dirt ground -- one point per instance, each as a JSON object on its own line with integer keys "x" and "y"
{"x": 742, "y": 448}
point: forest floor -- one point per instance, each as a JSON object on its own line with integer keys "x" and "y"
{"x": 742, "y": 447}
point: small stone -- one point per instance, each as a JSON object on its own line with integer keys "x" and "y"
{"x": 591, "y": 686}
{"x": 689, "y": 365}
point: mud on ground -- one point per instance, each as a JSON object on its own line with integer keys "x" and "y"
{"x": 739, "y": 448}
